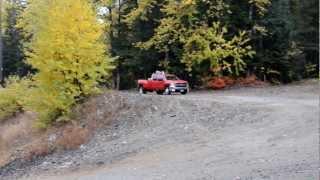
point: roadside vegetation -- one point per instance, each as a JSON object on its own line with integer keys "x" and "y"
{"x": 66, "y": 50}
{"x": 13, "y": 96}
{"x": 58, "y": 53}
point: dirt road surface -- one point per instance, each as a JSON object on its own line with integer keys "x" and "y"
{"x": 247, "y": 134}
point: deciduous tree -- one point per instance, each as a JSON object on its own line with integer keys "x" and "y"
{"x": 67, "y": 51}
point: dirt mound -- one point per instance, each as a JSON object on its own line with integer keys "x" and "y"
{"x": 20, "y": 140}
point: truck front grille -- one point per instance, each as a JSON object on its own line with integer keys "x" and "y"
{"x": 181, "y": 84}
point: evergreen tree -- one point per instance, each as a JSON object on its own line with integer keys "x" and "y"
{"x": 126, "y": 28}
{"x": 13, "y": 56}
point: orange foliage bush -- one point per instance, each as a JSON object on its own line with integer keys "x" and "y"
{"x": 217, "y": 83}
{"x": 250, "y": 81}
{"x": 223, "y": 82}
{"x": 228, "y": 80}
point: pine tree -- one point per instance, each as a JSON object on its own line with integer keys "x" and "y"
{"x": 13, "y": 56}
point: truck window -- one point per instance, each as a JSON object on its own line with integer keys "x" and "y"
{"x": 160, "y": 76}
{"x": 153, "y": 76}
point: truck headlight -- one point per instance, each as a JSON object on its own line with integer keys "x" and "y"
{"x": 172, "y": 85}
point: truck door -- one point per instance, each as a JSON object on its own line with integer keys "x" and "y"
{"x": 156, "y": 84}
{"x": 151, "y": 82}
{"x": 148, "y": 85}
{"x": 159, "y": 84}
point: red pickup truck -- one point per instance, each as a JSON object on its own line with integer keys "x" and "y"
{"x": 163, "y": 84}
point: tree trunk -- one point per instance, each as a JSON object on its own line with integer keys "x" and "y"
{"x": 166, "y": 61}
{"x": 1, "y": 45}
{"x": 119, "y": 17}
{"x": 251, "y": 19}
{"x": 111, "y": 23}
{"x": 118, "y": 79}
{"x": 251, "y": 31}
{"x": 118, "y": 34}
{"x": 260, "y": 42}
{"x": 111, "y": 37}
{"x": 114, "y": 82}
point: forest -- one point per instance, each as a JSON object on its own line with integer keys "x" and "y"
{"x": 63, "y": 51}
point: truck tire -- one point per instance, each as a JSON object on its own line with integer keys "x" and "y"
{"x": 141, "y": 90}
{"x": 184, "y": 93}
{"x": 160, "y": 92}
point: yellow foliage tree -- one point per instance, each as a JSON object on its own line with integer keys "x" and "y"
{"x": 68, "y": 51}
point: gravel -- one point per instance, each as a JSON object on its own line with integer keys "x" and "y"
{"x": 247, "y": 133}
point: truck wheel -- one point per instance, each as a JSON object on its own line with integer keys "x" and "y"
{"x": 141, "y": 90}
{"x": 160, "y": 92}
{"x": 184, "y": 93}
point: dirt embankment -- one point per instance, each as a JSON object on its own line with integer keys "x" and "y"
{"x": 22, "y": 143}
{"x": 248, "y": 133}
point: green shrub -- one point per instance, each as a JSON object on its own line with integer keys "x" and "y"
{"x": 12, "y": 97}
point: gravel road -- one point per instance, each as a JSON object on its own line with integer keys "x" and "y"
{"x": 242, "y": 134}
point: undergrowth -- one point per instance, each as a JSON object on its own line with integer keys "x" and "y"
{"x": 12, "y": 97}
